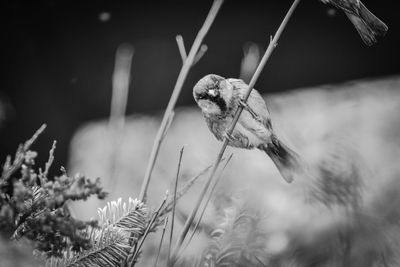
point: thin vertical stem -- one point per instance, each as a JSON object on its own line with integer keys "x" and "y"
{"x": 174, "y": 204}
{"x": 134, "y": 252}
{"x": 161, "y": 241}
{"x": 175, "y": 94}
{"x": 268, "y": 52}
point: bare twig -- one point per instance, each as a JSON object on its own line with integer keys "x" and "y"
{"x": 170, "y": 119}
{"x": 161, "y": 241}
{"x": 188, "y": 63}
{"x": 257, "y": 73}
{"x": 181, "y": 47}
{"x": 184, "y": 189}
{"x": 200, "y": 54}
{"x": 174, "y": 204}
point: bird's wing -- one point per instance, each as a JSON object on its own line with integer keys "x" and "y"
{"x": 254, "y": 122}
{"x": 255, "y": 102}
{"x": 363, "y": 29}
{"x": 348, "y": 6}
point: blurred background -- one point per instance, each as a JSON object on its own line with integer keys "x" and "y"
{"x": 58, "y": 56}
{"x": 332, "y": 98}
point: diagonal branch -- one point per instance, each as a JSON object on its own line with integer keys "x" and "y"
{"x": 188, "y": 63}
{"x": 268, "y": 52}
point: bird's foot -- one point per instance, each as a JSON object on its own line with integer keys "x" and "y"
{"x": 249, "y": 109}
{"x": 245, "y": 106}
{"x": 229, "y": 137}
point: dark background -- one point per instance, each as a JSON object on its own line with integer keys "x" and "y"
{"x": 58, "y": 56}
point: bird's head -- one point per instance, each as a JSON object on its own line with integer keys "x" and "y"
{"x": 213, "y": 94}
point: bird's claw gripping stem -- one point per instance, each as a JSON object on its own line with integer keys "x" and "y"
{"x": 250, "y": 110}
{"x": 229, "y": 137}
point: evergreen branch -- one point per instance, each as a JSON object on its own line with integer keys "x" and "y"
{"x": 8, "y": 168}
{"x": 110, "y": 245}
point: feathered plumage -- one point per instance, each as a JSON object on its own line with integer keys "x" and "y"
{"x": 219, "y": 98}
{"x": 367, "y": 24}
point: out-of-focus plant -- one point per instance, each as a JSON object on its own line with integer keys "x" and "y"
{"x": 239, "y": 240}
{"x": 366, "y": 235}
{"x": 339, "y": 180}
{"x": 120, "y": 227}
{"x": 251, "y": 58}
{"x": 34, "y": 207}
{"x": 34, "y": 210}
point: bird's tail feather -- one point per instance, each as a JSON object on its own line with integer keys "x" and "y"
{"x": 286, "y": 160}
{"x": 367, "y": 25}
{"x": 376, "y": 25}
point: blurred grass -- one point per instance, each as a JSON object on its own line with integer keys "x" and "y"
{"x": 353, "y": 123}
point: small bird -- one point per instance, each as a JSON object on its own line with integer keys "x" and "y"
{"x": 366, "y": 23}
{"x": 219, "y": 98}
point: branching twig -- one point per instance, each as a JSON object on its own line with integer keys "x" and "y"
{"x": 200, "y": 54}
{"x": 188, "y": 63}
{"x": 257, "y": 73}
{"x": 181, "y": 47}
